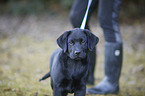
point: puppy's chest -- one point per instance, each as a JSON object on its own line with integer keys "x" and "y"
{"x": 76, "y": 69}
{"x": 73, "y": 73}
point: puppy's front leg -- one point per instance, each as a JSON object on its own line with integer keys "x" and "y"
{"x": 80, "y": 92}
{"x": 57, "y": 92}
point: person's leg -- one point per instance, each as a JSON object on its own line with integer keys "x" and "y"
{"x": 76, "y": 16}
{"x": 108, "y": 18}
{"x": 78, "y": 11}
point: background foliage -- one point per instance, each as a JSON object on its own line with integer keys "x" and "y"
{"x": 131, "y": 9}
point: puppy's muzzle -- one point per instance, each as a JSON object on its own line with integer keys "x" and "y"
{"x": 77, "y": 52}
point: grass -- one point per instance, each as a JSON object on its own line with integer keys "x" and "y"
{"x": 24, "y": 59}
{"x": 22, "y": 62}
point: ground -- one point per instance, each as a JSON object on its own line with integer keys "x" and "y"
{"x": 26, "y": 44}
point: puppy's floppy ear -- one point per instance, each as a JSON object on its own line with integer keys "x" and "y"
{"x": 92, "y": 39}
{"x": 62, "y": 40}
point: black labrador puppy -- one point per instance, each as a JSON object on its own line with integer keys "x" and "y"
{"x": 69, "y": 65}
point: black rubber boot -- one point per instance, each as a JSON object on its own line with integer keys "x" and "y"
{"x": 113, "y": 64}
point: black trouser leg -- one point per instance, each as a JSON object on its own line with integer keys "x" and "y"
{"x": 108, "y": 18}
{"x": 76, "y": 16}
{"x": 78, "y": 11}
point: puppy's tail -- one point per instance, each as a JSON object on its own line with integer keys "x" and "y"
{"x": 45, "y": 76}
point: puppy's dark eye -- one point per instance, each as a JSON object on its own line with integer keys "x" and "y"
{"x": 83, "y": 42}
{"x": 71, "y": 43}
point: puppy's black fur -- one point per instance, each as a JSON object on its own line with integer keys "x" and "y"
{"x": 69, "y": 65}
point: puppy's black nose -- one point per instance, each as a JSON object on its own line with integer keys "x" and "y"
{"x": 77, "y": 52}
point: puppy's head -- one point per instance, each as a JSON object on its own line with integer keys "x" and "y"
{"x": 77, "y": 42}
